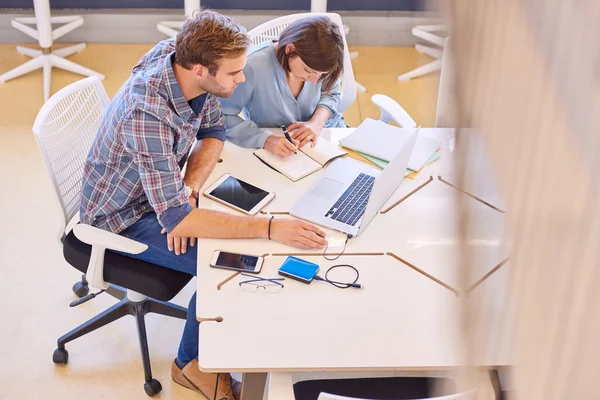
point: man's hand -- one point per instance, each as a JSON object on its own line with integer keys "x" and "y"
{"x": 179, "y": 244}
{"x": 297, "y": 233}
{"x": 280, "y": 146}
{"x": 306, "y": 132}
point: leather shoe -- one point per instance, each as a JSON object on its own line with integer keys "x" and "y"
{"x": 211, "y": 386}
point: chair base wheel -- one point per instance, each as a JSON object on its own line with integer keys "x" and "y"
{"x": 81, "y": 289}
{"x": 153, "y": 387}
{"x": 60, "y": 356}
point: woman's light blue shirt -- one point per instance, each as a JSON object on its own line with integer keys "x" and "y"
{"x": 266, "y": 100}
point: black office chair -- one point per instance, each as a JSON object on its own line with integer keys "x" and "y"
{"x": 65, "y": 129}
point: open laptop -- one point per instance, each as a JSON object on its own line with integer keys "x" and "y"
{"x": 350, "y": 193}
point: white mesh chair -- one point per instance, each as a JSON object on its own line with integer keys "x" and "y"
{"x": 64, "y": 130}
{"x": 272, "y": 29}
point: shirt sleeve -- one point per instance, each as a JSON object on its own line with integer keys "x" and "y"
{"x": 242, "y": 132}
{"x": 149, "y": 142}
{"x": 331, "y": 100}
{"x": 212, "y": 125}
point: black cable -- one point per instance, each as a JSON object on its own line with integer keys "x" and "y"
{"x": 348, "y": 236}
{"x": 341, "y": 285}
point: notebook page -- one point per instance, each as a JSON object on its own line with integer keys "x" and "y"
{"x": 295, "y": 167}
{"x": 323, "y": 152}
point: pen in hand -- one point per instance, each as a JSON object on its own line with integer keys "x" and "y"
{"x": 288, "y": 137}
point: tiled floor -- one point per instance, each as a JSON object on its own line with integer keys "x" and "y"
{"x": 35, "y": 284}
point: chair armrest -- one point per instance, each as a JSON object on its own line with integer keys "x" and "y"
{"x": 112, "y": 241}
{"x": 100, "y": 240}
{"x": 280, "y": 386}
{"x": 392, "y": 111}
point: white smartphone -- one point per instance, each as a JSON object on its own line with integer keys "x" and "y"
{"x": 237, "y": 262}
{"x": 239, "y": 195}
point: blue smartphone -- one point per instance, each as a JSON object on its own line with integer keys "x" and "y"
{"x": 298, "y": 269}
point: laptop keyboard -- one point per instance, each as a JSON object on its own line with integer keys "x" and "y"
{"x": 350, "y": 207}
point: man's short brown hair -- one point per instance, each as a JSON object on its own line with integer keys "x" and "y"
{"x": 206, "y": 38}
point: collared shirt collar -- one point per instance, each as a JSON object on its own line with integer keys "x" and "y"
{"x": 182, "y": 108}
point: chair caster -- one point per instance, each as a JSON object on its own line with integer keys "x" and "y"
{"x": 60, "y": 356}
{"x": 153, "y": 387}
{"x": 81, "y": 289}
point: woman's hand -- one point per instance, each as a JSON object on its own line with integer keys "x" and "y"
{"x": 306, "y": 132}
{"x": 280, "y": 146}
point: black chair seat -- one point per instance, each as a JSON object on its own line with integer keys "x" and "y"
{"x": 393, "y": 388}
{"x": 149, "y": 279}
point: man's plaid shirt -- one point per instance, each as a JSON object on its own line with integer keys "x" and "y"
{"x": 145, "y": 137}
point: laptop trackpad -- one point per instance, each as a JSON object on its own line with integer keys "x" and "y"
{"x": 327, "y": 188}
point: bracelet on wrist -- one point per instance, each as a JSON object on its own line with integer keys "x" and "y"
{"x": 269, "y": 230}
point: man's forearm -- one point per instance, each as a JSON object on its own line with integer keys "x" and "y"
{"x": 202, "y": 161}
{"x": 204, "y": 223}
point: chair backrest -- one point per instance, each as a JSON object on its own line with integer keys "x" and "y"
{"x": 64, "y": 129}
{"x": 390, "y": 111}
{"x": 272, "y": 29}
{"x": 470, "y": 395}
{"x": 444, "y": 114}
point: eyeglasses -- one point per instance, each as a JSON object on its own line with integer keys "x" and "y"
{"x": 257, "y": 284}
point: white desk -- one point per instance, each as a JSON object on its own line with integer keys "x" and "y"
{"x": 405, "y": 318}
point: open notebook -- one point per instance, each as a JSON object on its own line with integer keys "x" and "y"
{"x": 305, "y": 162}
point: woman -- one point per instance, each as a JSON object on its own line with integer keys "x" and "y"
{"x": 287, "y": 81}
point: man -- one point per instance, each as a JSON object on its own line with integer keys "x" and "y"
{"x": 132, "y": 181}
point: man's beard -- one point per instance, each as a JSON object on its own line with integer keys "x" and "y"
{"x": 211, "y": 86}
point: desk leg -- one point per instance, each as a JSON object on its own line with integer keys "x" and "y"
{"x": 496, "y": 385}
{"x": 253, "y": 386}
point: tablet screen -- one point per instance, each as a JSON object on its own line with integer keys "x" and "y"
{"x": 239, "y": 193}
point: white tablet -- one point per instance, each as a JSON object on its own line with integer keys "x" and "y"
{"x": 239, "y": 195}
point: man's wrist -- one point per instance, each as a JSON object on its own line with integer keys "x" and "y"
{"x": 191, "y": 192}
{"x": 268, "y": 225}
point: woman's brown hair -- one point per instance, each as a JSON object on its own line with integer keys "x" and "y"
{"x": 319, "y": 44}
{"x": 206, "y": 38}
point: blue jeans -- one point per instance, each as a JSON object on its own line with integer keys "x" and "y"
{"x": 147, "y": 230}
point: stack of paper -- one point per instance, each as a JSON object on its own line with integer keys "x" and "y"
{"x": 379, "y": 142}
{"x": 382, "y": 163}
